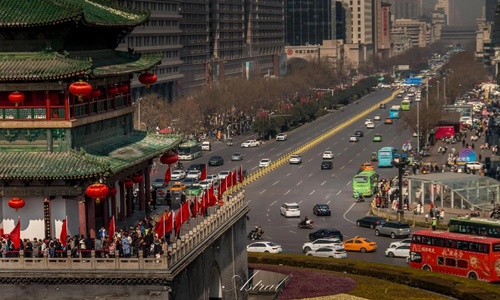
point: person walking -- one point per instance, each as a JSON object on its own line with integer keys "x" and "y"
{"x": 441, "y": 215}
{"x": 434, "y": 223}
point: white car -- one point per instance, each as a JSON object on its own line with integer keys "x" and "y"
{"x": 291, "y": 209}
{"x": 249, "y": 143}
{"x": 320, "y": 243}
{"x": 368, "y": 121}
{"x": 328, "y": 155}
{"x": 267, "y": 247}
{"x": 370, "y": 125}
{"x": 265, "y": 162}
{"x": 223, "y": 174}
{"x": 281, "y": 137}
{"x": 328, "y": 252}
{"x": 195, "y": 174}
{"x": 400, "y": 243}
{"x": 206, "y": 146}
{"x": 377, "y": 118}
{"x": 213, "y": 178}
{"x": 474, "y": 165}
{"x": 205, "y": 184}
{"x": 400, "y": 251}
{"x": 353, "y": 138}
{"x": 295, "y": 159}
{"x": 466, "y": 120}
{"x": 178, "y": 175}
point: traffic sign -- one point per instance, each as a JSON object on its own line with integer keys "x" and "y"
{"x": 413, "y": 80}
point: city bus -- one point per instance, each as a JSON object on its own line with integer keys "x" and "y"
{"x": 405, "y": 105}
{"x": 385, "y": 156}
{"x": 365, "y": 183}
{"x": 189, "y": 150}
{"x": 474, "y": 257}
{"x": 475, "y": 226}
{"x": 394, "y": 112}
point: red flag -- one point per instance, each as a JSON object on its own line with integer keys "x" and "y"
{"x": 196, "y": 208}
{"x": 182, "y": 216}
{"x": 203, "y": 175}
{"x": 15, "y": 234}
{"x": 168, "y": 175}
{"x": 111, "y": 228}
{"x": 229, "y": 180}
{"x": 212, "y": 200}
{"x": 160, "y": 226}
{"x": 223, "y": 186}
{"x": 64, "y": 233}
{"x": 241, "y": 174}
{"x": 203, "y": 205}
{"x": 169, "y": 222}
{"x": 235, "y": 179}
{"x": 186, "y": 209}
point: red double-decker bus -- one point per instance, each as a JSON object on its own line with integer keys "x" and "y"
{"x": 475, "y": 257}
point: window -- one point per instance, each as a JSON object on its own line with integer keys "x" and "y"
{"x": 440, "y": 260}
{"x": 451, "y": 262}
{"x": 463, "y": 264}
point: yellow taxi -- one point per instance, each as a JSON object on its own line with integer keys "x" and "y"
{"x": 366, "y": 166}
{"x": 177, "y": 187}
{"x": 360, "y": 244}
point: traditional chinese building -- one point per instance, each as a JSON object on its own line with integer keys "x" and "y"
{"x": 66, "y": 116}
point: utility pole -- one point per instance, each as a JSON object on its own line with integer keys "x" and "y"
{"x": 400, "y": 162}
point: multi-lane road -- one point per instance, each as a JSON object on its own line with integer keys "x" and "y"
{"x": 308, "y": 185}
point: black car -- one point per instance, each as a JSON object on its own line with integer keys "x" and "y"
{"x": 322, "y": 210}
{"x": 370, "y": 221}
{"x": 216, "y": 161}
{"x": 359, "y": 133}
{"x": 326, "y": 165}
{"x": 199, "y": 167}
{"x": 326, "y": 233}
{"x": 382, "y": 106}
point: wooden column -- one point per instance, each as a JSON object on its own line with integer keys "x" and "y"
{"x": 130, "y": 203}
{"x": 113, "y": 207}
{"x": 142, "y": 198}
{"x": 147, "y": 182}
{"x": 105, "y": 212}
{"x": 82, "y": 215}
{"x": 66, "y": 106}
{"x": 123, "y": 190}
{"x": 90, "y": 206}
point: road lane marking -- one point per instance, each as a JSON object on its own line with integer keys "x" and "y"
{"x": 327, "y": 196}
{"x": 287, "y": 192}
{"x": 344, "y": 216}
{"x": 358, "y": 154}
{"x": 273, "y": 203}
{"x": 346, "y": 149}
{"x": 349, "y": 182}
{"x": 342, "y": 167}
{"x": 289, "y": 149}
{"x": 312, "y": 192}
{"x": 310, "y": 175}
{"x": 328, "y": 201}
{"x": 339, "y": 192}
{"x": 272, "y": 149}
{"x": 333, "y": 175}
{"x": 262, "y": 192}
{"x": 288, "y": 174}
{"x": 261, "y": 154}
{"x": 323, "y": 183}
{"x": 276, "y": 182}
{"x": 350, "y": 161}
{"x": 300, "y": 202}
{"x": 310, "y": 160}
{"x": 364, "y": 149}
{"x": 249, "y": 160}
{"x": 299, "y": 183}
{"x": 292, "y": 231}
{"x": 254, "y": 168}
{"x": 279, "y": 154}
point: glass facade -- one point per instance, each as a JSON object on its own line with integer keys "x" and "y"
{"x": 309, "y": 22}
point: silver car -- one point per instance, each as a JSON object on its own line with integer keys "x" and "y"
{"x": 295, "y": 159}
{"x": 393, "y": 229}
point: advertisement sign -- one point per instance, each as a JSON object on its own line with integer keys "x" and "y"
{"x": 467, "y": 155}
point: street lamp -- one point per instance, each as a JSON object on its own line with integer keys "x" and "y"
{"x": 418, "y": 125}
{"x": 400, "y": 161}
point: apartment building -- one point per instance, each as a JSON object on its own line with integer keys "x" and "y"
{"x": 406, "y": 9}
{"x": 417, "y": 31}
{"x": 360, "y": 43}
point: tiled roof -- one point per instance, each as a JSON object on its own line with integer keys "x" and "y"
{"x": 33, "y": 66}
{"x": 40, "y": 66}
{"x": 118, "y": 154}
{"x": 34, "y": 13}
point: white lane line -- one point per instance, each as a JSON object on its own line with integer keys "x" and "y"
{"x": 287, "y": 192}
{"x": 339, "y": 192}
{"x": 310, "y": 160}
{"x": 276, "y": 182}
{"x": 312, "y": 192}
{"x": 248, "y": 202}
{"x": 299, "y": 183}
{"x": 262, "y": 192}
{"x": 254, "y": 168}
{"x": 272, "y": 149}
{"x": 261, "y": 154}
{"x": 342, "y": 167}
{"x": 249, "y": 160}
{"x": 273, "y": 203}
{"x": 350, "y": 161}
{"x": 346, "y": 149}
{"x": 288, "y": 174}
{"x": 364, "y": 149}
{"x": 349, "y": 182}
{"x": 292, "y": 231}
{"x": 323, "y": 183}
{"x": 333, "y": 175}
{"x": 278, "y": 155}
{"x": 300, "y": 201}
{"x": 339, "y": 153}
{"x": 327, "y": 196}
{"x": 328, "y": 201}
{"x": 358, "y": 154}
{"x": 289, "y": 149}
{"x": 310, "y": 175}
{"x": 344, "y": 216}
{"x": 334, "y": 144}
{"x": 269, "y": 220}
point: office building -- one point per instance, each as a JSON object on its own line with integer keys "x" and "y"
{"x": 489, "y": 10}
{"x": 382, "y": 29}
{"x": 359, "y": 45}
{"x": 406, "y": 9}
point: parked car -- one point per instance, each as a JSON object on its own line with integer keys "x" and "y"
{"x": 322, "y": 210}
{"x": 328, "y": 252}
{"x": 281, "y": 137}
{"x": 400, "y": 243}
{"x": 266, "y": 247}
{"x": 399, "y": 251}
{"x": 159, "y": 183}
{"x": 360, "y": 244}
{"x": 326, "y": 165}
{"x": 290, "y": 209}
{"x": 265, "y": 162}
{"x": 393, "y": 229}
{"x": 370, "y": 221}
{"x": 320, "y": 243}
{"x": 178, "y": 175}
{"x": 328, "y": 154}
{"x": 295, "y": 159}
{"x": 250, "y": 143}
{"x": 216, "y": 161}
{"x": 237, "y": 156}
{"x": 326, "y": 233}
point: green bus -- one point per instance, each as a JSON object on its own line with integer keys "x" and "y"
{"x": 365, "y": 183}
{"x": 189, "y": 150}
{"x": 405, "y": 105}
{"x": 475, "y": 226}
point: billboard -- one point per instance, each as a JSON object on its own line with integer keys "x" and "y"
{"x": 403, "y": 67}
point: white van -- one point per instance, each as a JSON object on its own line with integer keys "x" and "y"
{"x": 206, "y": 146}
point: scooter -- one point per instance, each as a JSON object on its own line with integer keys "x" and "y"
{"x": 360, "y": 199}
{"x": 306, "y": 225}
{"x": 256, "y": 234}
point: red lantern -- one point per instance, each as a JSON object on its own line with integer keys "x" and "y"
{"x": 128, "y": 183}
{"x": 147, "y": 79}
{"x": 122, "y": 88}
{"x": 97, "y": 191}
{"x": 16, "y": 97}
{"x": 112, "y": 192}
{"x": 169, "y": 158}
{"x": 16, "y": 203}
{"x": 137, "y": 178}
{"x": 95, "y": 93}
{"x": 112, "y": 90}
{"x": 80, "y": 89}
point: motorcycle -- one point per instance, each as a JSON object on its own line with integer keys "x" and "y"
{"x": 360, "y": 199}
{"x": 256, "y": 234}
{"x": 306, "y": 225}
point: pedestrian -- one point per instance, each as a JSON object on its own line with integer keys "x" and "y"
{"x": 441, "y": 215}
{"x": 426, "y": 218}
{"x": 434, "y": 223}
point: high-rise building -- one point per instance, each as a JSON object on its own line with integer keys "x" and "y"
{"x": 309, "y": 22}
{"x": 443, "y": 6}
{"x": 361, "y": 28}
{"x": 489, "y": 10}
{"x": 406, "y": 9}
{"x": 382, "y": 29}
